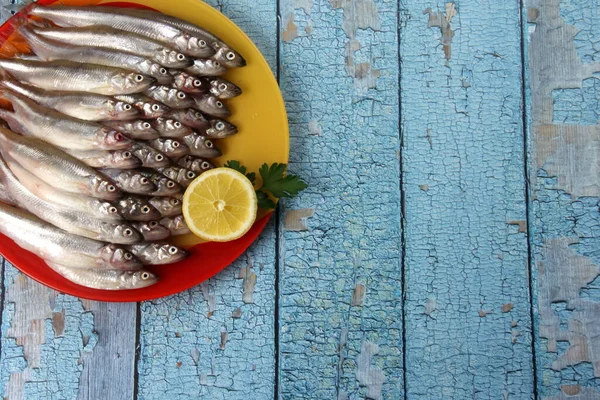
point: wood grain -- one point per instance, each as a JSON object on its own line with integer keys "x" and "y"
{"x": 340, "y": 291}
{"x": 565, "y": 193}
{"x": 468, "y": 330}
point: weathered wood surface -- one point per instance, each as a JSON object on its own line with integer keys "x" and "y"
{"x": 327, "y": 304}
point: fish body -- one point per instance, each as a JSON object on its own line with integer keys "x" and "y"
{"x": 56, "y": 245}
{"x": 106, "y": 279}
{"x": 173, "y": 148}
{"x": 130, "y": 181}
{"x": 85, "y": 106}
{"x": 169, "y": 96}
{"x": 56, "y": 167}
{"x": 137, "y": 129}
{"x": 122, "y": 159}
{"x": 158, "y": 253}
{"x": 61, "y": 130}
{"x": 200, "y": 146}
{"x": 71, "y": 76}
{"x": 171, "y": 128}
{"x": 152, "y": 230}
{"x": 176, "y": 225}
{"x": 115, "y": 39}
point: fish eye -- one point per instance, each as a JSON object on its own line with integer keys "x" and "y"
{"x": 145, "y": 209}
{"x": 155, "y": 107}
{"x": 112, "y": 210}
{"x": 139, "y": 78}
{"x": 144, "y": 180}
{"x": 197, "y": 83}
{"x": 128, "y": 232}
{"x": 111, "y": 188}
{"x": 230, "y": 56}
{"x": 219, "y": 104}
{"x": 170, "y": 184}
{"x": 147, "y": 125}
{"x": 127, "y": 107}
{"x": 119, "y": 137}
{"x": 181, "y": 95}
{"x": 176, "y": 144}
{"x": 145, "y": 276}
{"x": 220, "y": 126}
{"x": 204, "y": 165}
{"x": 159, "y": 157}
{"x": 127, "y": 154}
{"x": 163, "y": 71}
{"x": 177, "y": 124}
{"x": 153, "y": 224}
{"x": 174, "y": 202}
{"x": 180, "y": 57}
{"x": 173, "y": 250}
{"x": 202, "y": 43}
{"x": 191, "y": 175}
{"x": 128, "y": 256}
{"x": 198, "y": 115}
{"x": 216, "y": 64}
{"x": 223, "y": 87}
{"x": 209, "y": 144}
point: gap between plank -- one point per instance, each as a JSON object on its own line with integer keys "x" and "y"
{"x": 277, "y": 221}
{"x": 2, "y": 293}
{"x": 138, "y": 350}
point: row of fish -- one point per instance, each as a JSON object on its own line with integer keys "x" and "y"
{"x": 113, "y": 115}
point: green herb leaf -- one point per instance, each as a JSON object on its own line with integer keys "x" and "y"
{"x": 233, "y": 164}
{"x": 275, "y": 181}
{"x": 264, "y": 201}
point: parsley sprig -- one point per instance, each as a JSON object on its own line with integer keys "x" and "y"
{"x": 275, "y": 182}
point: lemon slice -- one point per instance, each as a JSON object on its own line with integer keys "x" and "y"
{"x": 220, "y": 205}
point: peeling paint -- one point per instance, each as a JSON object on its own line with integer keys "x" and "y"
{"x": 442, "y": 20}
{"x": 295, "y": 220}
{"x": 358, "y": 295}
{"x": 585, "y": 393}
{"x": 223, "y": 340}
{"x": 209, "y": 297}
{"x": 366, "y": 374}
{"x": 291, "y": 30}
{"x": 430, "y": 306}
{"x": 522, "y": 224}
{"x": 249, "y": 281}
{"x": 237, "y": 313}
{"x": 58, "y": 323}
{"x": 314, "y": 128}
{"x": 306, "y": 5}
{"x": 507, "y": 307}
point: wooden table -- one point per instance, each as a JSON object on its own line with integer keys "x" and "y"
{"x": 447, "y": 248}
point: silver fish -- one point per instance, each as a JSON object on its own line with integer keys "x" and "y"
{"x": 179, "y": 174}
{"x": 206, "y": 67}
{"x": 188, "y": 83}
{"x": 55, "y": 167}
{"x": 200, "y": 146}
{"x": 138, "y": 129}
{"x": 167, "y": 206}
{"x": 222, "y": 88}
{"x": 158, "y": 253}
{"x": 209, "y": 104}
{"x": 59, "y": 129}
{"x": 50, "y": 50}
{"x": 100, "y": 36}
{"x": 71, "y": 76}
{"x": 165, "y": 186}
{"x": 173, "y": 148}
{"x": 86, "y": 106}
{"x": 102, "y": 210}
{"x": 152, "y": 230}
{"x": 149, "y": 156}
{"x": 6, "y": 198}
{"x": 191, "y": 118}
{"x": 106, "y": 279}
{"x": 56, "y": 245}
{"x": 169, "y": 96}
{"x": 75, "y": 222}
{"x": 128, "y": 20}
{"x": 121, "y": 159}
{"x": 171, "y": 128}
{"x": 219, "y": 129}
{"x": 195, "y": 164}
{"x": 130, "y": 181}
{"x": 150, "y": 108}
{"x": 137, "y": 208}
{"x": 176, "y": 225}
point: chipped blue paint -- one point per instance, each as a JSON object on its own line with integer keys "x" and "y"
{"x": 465, "y": 195}
{"x": 585, "y": 16}
{"x": 339, "y": 73}
{"x": 578, "y": 106}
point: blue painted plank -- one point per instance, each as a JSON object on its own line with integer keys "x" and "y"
{"x": 340, "y": 294}
{"x": 565, "y": 191}
{"x": 216, "y": 341}
{"x": 467, "y": 304}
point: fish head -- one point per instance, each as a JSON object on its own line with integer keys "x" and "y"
{"x": 223, "y": 89}
{"x": 178, "y": 99}
{"x": 106, "y": 210}
{"x": 117, "y": 257}
{"x": 154, "y": 109}
{"x": 123, "y": 233}
{"x": 124, "y": 159}
{"x": 194, "y": 46}
{"x": 211, "y": 105}
{"x": 166, "y": 253}
{"x": 172, "y": 59}
{"x": 195, "y": 164}
{"x": 160, "y": 73}
{"x": 189, "y": 83}
{"x": 210, "y": 67}
{"x": 143, "y": 130}
{"x": 114, "y": 139}
{"x": 104, "y": 188}
{"x": 166, "y": 186}
{"x": 228, "y": 57}
{"x": 140, "y": 279}
{"x": 141, "y": 183}
{"x": 149, "y": 156}
{"x": 193, "y": 118}
{"x": 171, "y": 127}
{"x": 167, "y": 206}
{"x": 121, "y": 110}
{"x": 131, "y": 82}
{"x": 176, "y": 224}
{"x": 174, "y": 148}
{"x": 220, "y": 128}
{"x": 202, "y": 147}
{"x": 137, "y": 209}
{"x": 152, "y": 230}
